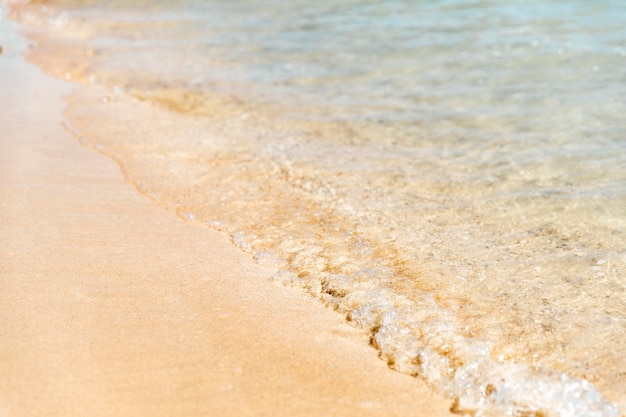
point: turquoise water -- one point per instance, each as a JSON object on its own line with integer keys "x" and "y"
{"x": 449, "y": 175}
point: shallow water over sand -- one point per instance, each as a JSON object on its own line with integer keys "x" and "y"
{"x": 451, "y": 176}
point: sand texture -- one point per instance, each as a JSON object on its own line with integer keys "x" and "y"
{"x": 113, "y": 306}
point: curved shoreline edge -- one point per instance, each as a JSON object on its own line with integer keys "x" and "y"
{"x": 112, "y": 305}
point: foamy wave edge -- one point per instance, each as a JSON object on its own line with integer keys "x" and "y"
{"x": 422, "y": 339}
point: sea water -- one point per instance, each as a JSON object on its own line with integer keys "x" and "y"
{"x": 450, "y": 175}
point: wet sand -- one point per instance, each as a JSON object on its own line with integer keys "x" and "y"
{"x": 113, "y": 306}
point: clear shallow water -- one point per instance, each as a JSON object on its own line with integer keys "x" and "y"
{"x": 450, "y": 176}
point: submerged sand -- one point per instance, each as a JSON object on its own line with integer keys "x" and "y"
{"x": 113, "y": 306}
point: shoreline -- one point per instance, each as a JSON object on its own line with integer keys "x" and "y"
{"x": 112, "y": 305}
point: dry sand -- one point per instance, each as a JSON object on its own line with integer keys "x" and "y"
{"x": 112, "y": 306}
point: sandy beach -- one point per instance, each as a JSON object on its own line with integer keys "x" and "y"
{"x": 113, "y": 306}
